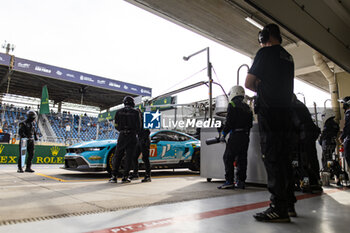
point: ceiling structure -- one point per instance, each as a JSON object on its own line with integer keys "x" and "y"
{"x": 306, "y": 25}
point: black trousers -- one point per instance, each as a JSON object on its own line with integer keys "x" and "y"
{"x": 328, "y": 148}
{"x": 275, "y": 132}
{"x": 236, "y": 149}
{"x": 30, "y": 153}
{"x": 142, "y": 147}
{"x": 125, "y": 147}
{"x": 310, "y": 161}
{"x": 347, "y": 151}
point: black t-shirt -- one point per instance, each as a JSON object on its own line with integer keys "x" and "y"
{"x": 274, "y": 66}
{"x": 346, "y": 129}
{"x": 127, "y": 118}
{"x": 239, "y": 116}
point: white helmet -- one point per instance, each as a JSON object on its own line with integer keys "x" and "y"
{"x": 326, "y": 114}
{"x": 236, "y": 91}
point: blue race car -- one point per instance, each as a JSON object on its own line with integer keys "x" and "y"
{"x": 169, "y": 149}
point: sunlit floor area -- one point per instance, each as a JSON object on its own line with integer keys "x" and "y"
{"x": 325, "y": 213}
{"x": 170, "y": 203}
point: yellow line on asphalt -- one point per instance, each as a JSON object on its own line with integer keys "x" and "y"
{"x": 51, "y": 177}
{"x": 62, "y": 180}
{"x": 84, "y": 180}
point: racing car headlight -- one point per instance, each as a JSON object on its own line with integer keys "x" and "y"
{"x": 81, "y": 150}
{"x": 93, "y": 149}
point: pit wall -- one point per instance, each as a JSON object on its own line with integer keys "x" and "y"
{"x": 42, "y": 155}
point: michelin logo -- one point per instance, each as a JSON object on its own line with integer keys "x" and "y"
{"x": 145, "y": 91}
{"x": 85, "y": 78}
{"x": 151, "y": 120}
{"x": 23, "y": 65}
{"x": 42, "y": 69}
{"x": 111, "y": 84}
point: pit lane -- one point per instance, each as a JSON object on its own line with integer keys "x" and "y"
{"x": 74, "y": 176}
{"x": 52, "y": 192}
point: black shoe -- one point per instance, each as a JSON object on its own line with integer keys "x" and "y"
{"x": 146, "y": 179}
{"x": 20, "y": 170}
{"x": 316, "y": 189}
{"x": 227, "y": 185}
{"x": 271, "y": 215}
{"x": 28, "y": 169}
{"x": 134, "y": 176}
{"x": 240, "y": 185}
{"x": 126, "y": 180}
{"x": 292, "y": 212}
{"x": 113, "y": 179}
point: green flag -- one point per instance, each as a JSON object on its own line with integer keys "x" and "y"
{"x": 44, "y": 105}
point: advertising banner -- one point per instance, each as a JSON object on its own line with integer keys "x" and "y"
{"x": 44, "y": 104}
{"x": 5, "y": 59}
{"x": 42, "y": 155}
{"x": 45, "y": 70}
{"x": 106, "y": 116}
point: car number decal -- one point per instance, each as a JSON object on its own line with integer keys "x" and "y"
{"x": 153, "y": 150}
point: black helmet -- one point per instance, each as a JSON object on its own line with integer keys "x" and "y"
{"x": 129, "y": 101}
{"x": 346, "y": 102}
{"x": 31, "y": 115}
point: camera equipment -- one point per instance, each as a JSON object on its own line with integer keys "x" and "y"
{"x": 211, "y": 141}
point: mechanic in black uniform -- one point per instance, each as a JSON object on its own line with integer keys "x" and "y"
{"x": 345, "y": 136}
{"x": 272, "y": 77}
{"x": 328, "y": 138}
{"x": 143, "y": 146}
{"x": 127, "y": 122}
{"x": 27, "y": 130}
{"x": 239, "y": 120}
{"x": 307, "y": 133}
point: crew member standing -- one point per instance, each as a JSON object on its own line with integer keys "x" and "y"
{"x": 307, "y": 134}
{"x": 328, "y": 138}
{"x": 143, "y": 146}
{"x": 272, "y": 77}
{"x": 27, "y": 131}
{"x": 239, "y": 120}
{"x": 127, "y": 122}
{"x": 345, "y": 136}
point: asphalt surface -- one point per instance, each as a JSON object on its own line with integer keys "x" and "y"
{"x": 52, "y": 192}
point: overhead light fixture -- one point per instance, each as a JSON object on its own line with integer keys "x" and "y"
{"x": 253, "y": 22}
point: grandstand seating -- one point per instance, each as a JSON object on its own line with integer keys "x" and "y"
{"x": 88, "y": 128}
{"x": 13, "y": 116}
{"x": 58, "y": 122}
